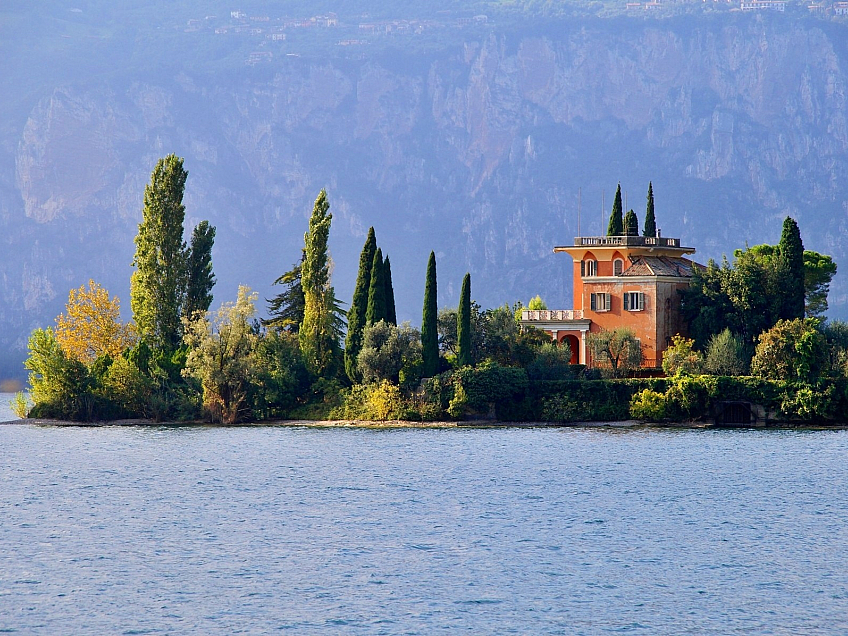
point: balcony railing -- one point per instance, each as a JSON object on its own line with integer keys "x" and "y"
{"x": 646, "y": 241}
{"x": 551, "y": 315}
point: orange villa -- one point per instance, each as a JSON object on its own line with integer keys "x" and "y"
{"x": 621, "y": 281}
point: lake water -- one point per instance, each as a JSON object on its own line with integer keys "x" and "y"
{"x": 349, "y": 531}
{"x": 6, "y": 413}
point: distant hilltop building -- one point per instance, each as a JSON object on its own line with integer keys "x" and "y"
{"x": 759, "y": 5}
{"x": 621, "y": 281}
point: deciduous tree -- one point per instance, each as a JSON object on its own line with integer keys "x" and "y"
{"x": 220, "y": 356}
{"x": 791, "y": 350}
{"x": 317, "y": 335}
{"x": 91, "y": 325}
{"x": 200, "y": 280}
{"x": 158, "y": 285}
{"x": 725, "y": 355}
{"x": 618, "y": 348}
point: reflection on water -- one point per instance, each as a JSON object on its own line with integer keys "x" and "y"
{"x": 554, "y": 531}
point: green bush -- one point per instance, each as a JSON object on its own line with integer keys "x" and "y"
{"x": 380, "y": 402}
{"x": 478, "y": 389}
{"x": 648, "y": 405}
{"x": 690, "y": 397}
{"x": 810, "y": 403}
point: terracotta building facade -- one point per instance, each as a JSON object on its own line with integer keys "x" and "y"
{"x": 621, "y": 281}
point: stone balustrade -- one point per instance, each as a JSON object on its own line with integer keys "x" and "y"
{"x": 551, "y": 315}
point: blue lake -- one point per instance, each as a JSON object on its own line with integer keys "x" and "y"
{"x": 350, "y": 531}
{"x": 6, "y": 412}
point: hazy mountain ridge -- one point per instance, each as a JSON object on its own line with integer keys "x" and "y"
{"x": 476, "y": 151}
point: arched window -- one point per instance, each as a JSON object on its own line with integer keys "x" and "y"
{"x": 590, "y": 268}
{"x": 617, "y": 267}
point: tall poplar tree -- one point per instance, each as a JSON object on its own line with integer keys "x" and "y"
{"x": 377, "y": 291}
{"x": 791, "y": 270}
{"x": 429, "y": 323}
{"x": 391, "y": 311}
{"x": 158, "y": 285}
{"x": 631, "y": 224}
{"x": 616, "y": 220}
{"x": 200, "y": 279}
{"x": 650, "y": 228}
{"x": 358, "y": 307}
{"x": 317, "y": 333}
{"x": 463, "y": 324}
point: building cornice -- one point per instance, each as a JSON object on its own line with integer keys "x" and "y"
{"x": 623, "y": 280}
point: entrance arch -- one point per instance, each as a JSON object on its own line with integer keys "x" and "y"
{"x": 574, "y": 345}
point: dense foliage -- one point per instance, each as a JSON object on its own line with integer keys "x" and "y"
{"x": 465, "y": 363}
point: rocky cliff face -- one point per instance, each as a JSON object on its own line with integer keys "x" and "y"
{"x": 476, "y": 152}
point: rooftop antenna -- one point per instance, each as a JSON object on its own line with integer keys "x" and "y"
{"x": 603, "y": 210}
{"x": 579, "y": 201}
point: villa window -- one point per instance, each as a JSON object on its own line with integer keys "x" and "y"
{"x": 600, "y": 302}
{"x": 634, "y": 301}
{"x": 588, "y": 268}
{"x": 617, "y": 267}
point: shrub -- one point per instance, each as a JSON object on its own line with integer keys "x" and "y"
{"x": 648, "y": 405}
{"x": 809, "y": 403}
{"x": 552, "y": 362}
{"x": 791, "y": 350}
{"x": 281, "y": 377}
{"x": 691, "y": 397}
{"x": 490, "y": 384}
{"x": 681, "y": 358}
{"x": 725, "y": 355}
{"x": 380, "y": 402}
{"x": 387, "y": 350}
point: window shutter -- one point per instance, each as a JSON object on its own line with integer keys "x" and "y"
{"x": 641, "y": 300}
{"x": 582, "y": 268}
{"x": 626, "y": 301}
{"x": 607, "y": 301}
{"x": 592, "y": 302}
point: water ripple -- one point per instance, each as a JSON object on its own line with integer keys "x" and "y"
{"x": 341, "y": 531}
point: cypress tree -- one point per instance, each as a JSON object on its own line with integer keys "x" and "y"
{"x": 429, "y": 323}
{"x": 631, "y": 224}
{"x": 359, "y": 307}
{"x": 158, "y": 285}
{"x": 391, "y": 313}
{"x": 200, "y": 277}
{"x": 317, "y": 333}
{"x": 377, "y": 291}
{"x": 791, "y": 270}
{"x": 616, "y": 221}
{"x": 463, "y": 324}
{"x": 650, "y": 228}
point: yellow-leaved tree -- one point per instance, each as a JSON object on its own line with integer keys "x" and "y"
{"x": 91, "y": 325}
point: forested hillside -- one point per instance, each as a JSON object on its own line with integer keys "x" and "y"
{"x": 465, "y": 129}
